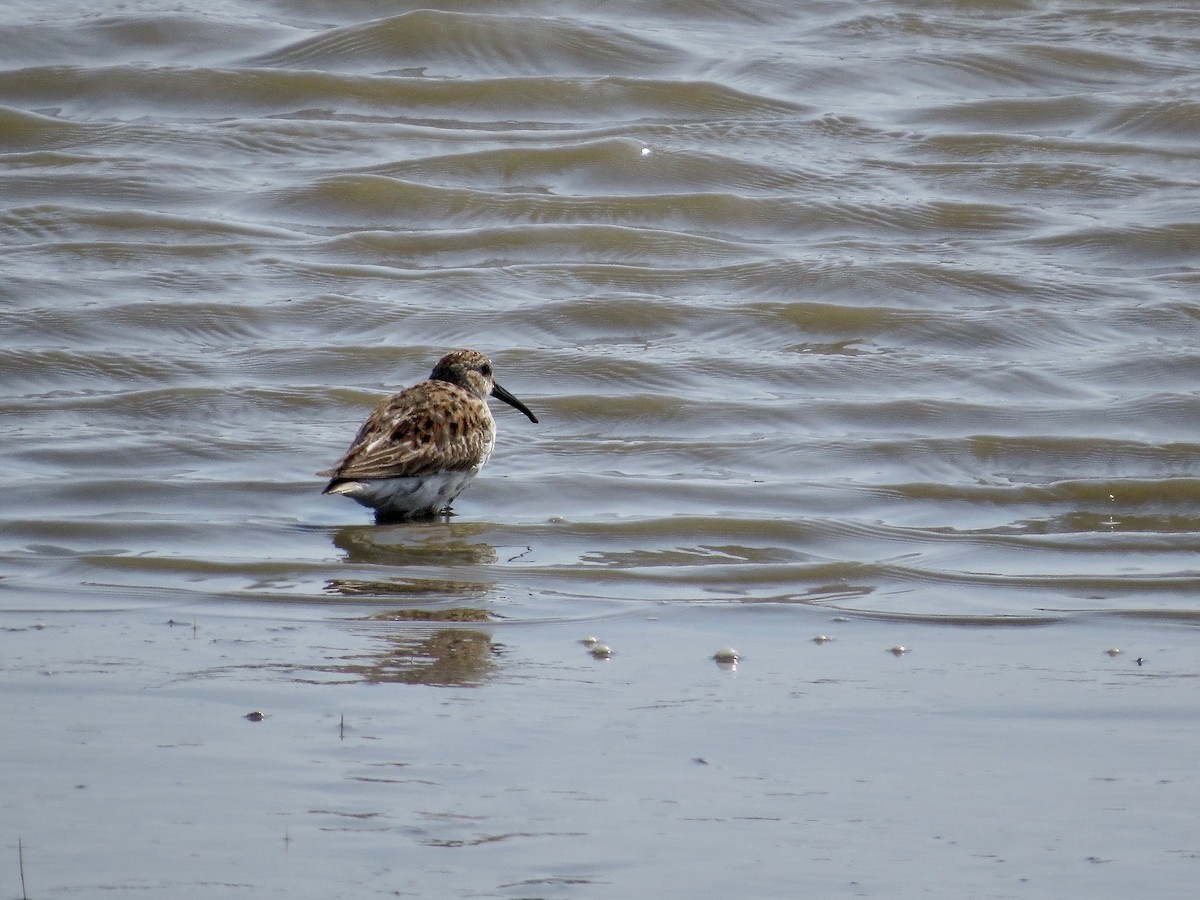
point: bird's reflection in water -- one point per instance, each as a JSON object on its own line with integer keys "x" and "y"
{"x": 425, "y": 551}
{"x": 445, "y": 657}
{"x": 432, "y": 644}
{"x": 415, "y": 545}
{"x": 442, "y": 647}
{"x": 413, "y": 646}
{"x": 408, "y": 588}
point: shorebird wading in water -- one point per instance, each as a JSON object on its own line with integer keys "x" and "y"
{"x": 420, "y": 448}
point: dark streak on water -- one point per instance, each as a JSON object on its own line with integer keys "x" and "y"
{"x": 888, "y": 307}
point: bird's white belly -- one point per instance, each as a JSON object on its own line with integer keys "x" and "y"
{"x": 425, "y": 495}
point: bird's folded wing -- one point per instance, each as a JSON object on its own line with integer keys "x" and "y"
{"x": 407, "y": 436}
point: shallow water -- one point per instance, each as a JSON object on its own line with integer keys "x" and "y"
{"x": 501, "y": 760}
{"x": 882, "y": 312}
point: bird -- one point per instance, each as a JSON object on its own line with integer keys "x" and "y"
{"x": 420, "y": 448}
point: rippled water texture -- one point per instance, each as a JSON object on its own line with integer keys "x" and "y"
{"x": 883, "y": 309}
{"x": 886, "y": 307}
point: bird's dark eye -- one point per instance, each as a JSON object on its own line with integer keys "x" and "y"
{"x": 485, "y": 370}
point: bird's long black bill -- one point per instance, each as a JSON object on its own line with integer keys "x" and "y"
{"x": 501, "y": 394}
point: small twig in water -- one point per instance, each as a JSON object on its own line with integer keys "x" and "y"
{"x": 21, "y": 865}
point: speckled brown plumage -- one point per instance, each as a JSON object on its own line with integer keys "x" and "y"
{"x": 420, "y": 448}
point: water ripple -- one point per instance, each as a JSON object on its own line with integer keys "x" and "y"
{"x": 890, "y": 309}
